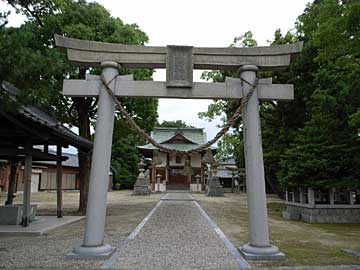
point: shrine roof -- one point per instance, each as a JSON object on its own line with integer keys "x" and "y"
{"x": 72, "y": 161}
{"x": 193, "y": 137}
{"x": 177, "y": 146}
{"x": 30, "y": 121}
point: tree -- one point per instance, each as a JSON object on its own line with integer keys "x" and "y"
{"x": 313, "y": 140}
{"x": 280, "y": 120}
{"x": 35, "y": 9}
{"x": 174, "y": 124}
{"x": 324, "y": 152}
{"x": 30, "y": 60}
{"x": 125, "y": 156}
{"x": 355, "y": 121}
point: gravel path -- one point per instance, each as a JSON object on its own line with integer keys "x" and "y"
{"x": 325, "y": 267}
{"x": 177, "y": 236}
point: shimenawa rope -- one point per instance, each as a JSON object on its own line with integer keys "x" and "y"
{"x": 200, "y": 148}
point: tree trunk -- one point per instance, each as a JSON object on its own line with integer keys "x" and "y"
{"x": 275, "y": 189}
{"x": 83, "y": 107}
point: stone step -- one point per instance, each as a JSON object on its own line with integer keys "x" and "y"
{"x": 177, "y": 187}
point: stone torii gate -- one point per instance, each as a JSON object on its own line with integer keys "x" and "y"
{"x": 179, "y": 62}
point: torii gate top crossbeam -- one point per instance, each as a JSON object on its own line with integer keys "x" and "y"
{"x": 91, "y": 53}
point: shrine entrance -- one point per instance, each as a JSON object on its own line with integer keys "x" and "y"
{"x": 177, "y": 180}
{"x": 179, "y": 62}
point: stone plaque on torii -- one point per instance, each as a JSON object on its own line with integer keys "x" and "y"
{"x": 179, "y": 62}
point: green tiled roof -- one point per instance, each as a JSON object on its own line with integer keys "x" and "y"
{"x": 195, "y": 135}
{"x": 175, "y": 146}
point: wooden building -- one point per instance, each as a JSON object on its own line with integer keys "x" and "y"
{"x": 23, "y": 130}
{"x": 70, "y": 173}
{"x": 170, "y": 167}
{"x": 43, "y": 177}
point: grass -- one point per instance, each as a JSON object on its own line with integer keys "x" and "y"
{"x": 304, "y": 244}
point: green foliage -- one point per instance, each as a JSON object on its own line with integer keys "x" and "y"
{"x": 244, "y": 40}
{"x": 174, "y": 124}
{"x": 355, "y": 121}
{"x": 32, "y": 67}
{"x": 280, "y": 120}
{"x": 324, "y": 151}
{"x": 35, "y": 9}
{"x": 215, "y": 109}
{"x": 314, "y": 140}
{"x": 231, "y": 145}
{"x": 321, "y": 155}
{"x": 125, "y": 158}
{"x": 30, "y": 60}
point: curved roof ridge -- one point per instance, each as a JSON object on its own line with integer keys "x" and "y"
{"x": 175, "y": 136}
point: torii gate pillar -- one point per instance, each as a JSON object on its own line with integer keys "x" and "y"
{"x": 93, "y": 245}
{"x": 259, "y": 245}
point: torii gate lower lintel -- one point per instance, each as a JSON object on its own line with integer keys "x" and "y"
{"x": 179, "y": 61}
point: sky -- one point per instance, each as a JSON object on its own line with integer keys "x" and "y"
{"x": 203, "y": 23}
{"x": 200, "y": 23}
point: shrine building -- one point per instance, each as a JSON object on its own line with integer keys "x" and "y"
{"x": 176, "y": 171}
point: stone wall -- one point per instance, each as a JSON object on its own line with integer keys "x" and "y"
{"x": 323, "y": 213}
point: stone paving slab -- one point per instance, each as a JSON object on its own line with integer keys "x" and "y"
{"x": 176, "y": 236}
{"x": 41, "y": 226}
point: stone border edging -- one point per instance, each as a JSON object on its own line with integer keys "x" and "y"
{"x": 243, "y": 264}
{"x": 108, "y": 263}
{"x": 143, "y": 222}
{"x": 30, "y": 231}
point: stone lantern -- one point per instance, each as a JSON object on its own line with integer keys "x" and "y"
{"x": 214, "y": 188}
{"x": 197, "y": 178}
{"x": 141, "y": 186}
{"x": 158, "y": 179}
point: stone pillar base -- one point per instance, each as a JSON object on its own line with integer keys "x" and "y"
{"x": 215, "y": 191}
{"x": 102, "y": 252}
{"x": 141, "y": 190}
{"x": 214, "y": 188}
{"x": 261, "y": 253}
